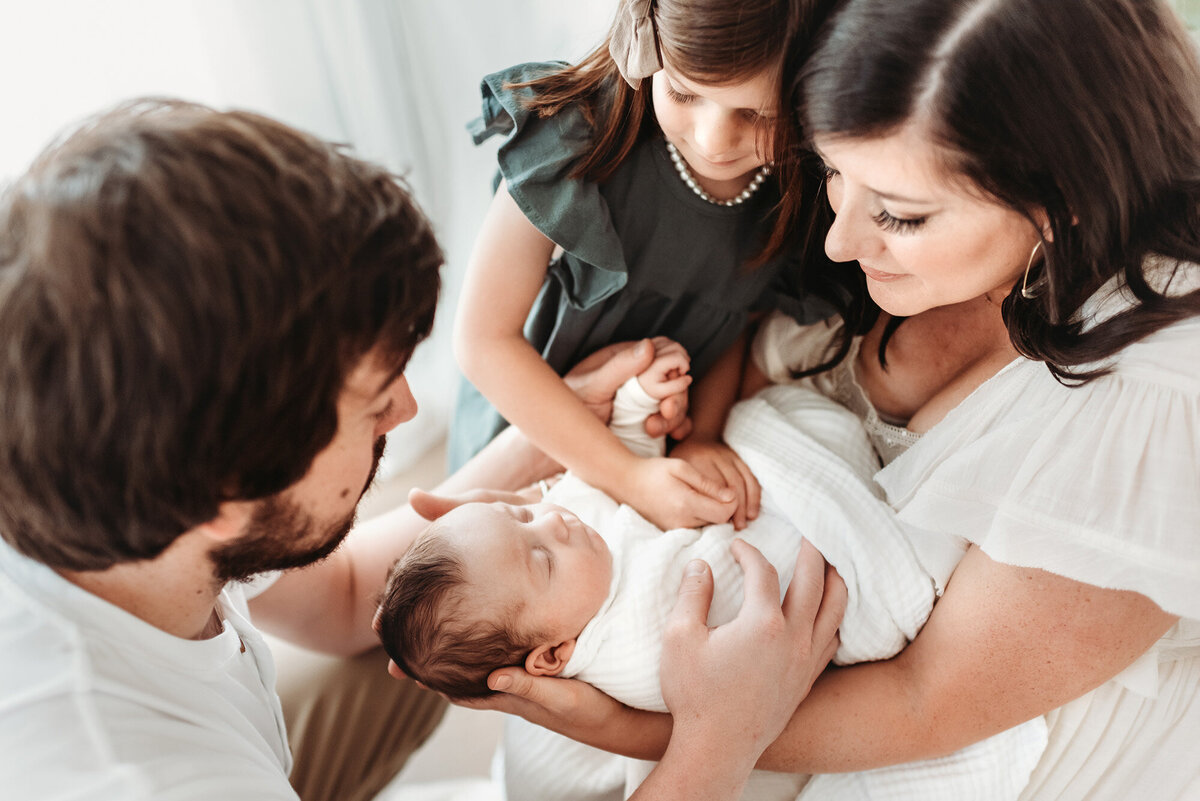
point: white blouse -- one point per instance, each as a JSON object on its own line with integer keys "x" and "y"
{"x": 1099, "y": 483}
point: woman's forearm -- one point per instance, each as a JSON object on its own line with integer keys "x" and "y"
{"x": 1004, "y": 645}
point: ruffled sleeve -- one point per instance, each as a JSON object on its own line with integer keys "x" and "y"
{"x": 535, "y": 160}
{"x": 1099, "y": 483}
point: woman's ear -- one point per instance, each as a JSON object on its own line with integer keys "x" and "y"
{"x": 549, "y": 660}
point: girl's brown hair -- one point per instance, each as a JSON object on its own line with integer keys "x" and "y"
{"x": 709, "y": 41}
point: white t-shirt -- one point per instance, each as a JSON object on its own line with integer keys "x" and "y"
{"x": 97, "y": 704}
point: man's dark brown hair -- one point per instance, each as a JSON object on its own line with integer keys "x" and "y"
{"x": 182, "y": 295}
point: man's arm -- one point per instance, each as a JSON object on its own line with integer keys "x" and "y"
{"x": 329, "y": 606}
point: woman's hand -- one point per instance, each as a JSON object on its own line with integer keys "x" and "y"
{"x": 737, "y": 685}
{"x": 718, "y": 462}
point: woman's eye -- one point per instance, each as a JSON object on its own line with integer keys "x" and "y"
{"x": 899, "y": 225}
{"x": 383, "y": 413}
{"x": 679, "y": 97}
{"x": 827, "y": 172}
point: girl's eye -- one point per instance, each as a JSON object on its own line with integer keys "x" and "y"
{"x": 899, "y": 225}
{"x": 679, "y": 97}
{"x": 827, "y": 172}
{"x": 549, "y": 559}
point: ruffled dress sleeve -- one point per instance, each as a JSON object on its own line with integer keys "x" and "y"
{"x": 536, "y": 159}
{"x": 1099, "y": 483}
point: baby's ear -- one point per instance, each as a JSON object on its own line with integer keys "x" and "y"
{"x": 549, "y": 660}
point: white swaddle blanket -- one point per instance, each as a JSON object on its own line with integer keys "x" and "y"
{"x": 815, "y": 465}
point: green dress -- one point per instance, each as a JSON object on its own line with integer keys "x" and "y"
{"x": 643, "y": 255}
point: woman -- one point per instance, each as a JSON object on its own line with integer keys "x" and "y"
{"x": 1021, "y": 181}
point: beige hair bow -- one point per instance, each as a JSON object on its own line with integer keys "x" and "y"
{"x": 633, "y": 45}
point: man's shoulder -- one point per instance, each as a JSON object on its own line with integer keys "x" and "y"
{"x": 47, "y": 716}
{"x": 94, "y": 704}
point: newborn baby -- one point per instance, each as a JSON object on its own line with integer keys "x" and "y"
{"x": 581, "y": 586}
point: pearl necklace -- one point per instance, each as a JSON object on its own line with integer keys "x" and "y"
{"x": 685, "y": 174}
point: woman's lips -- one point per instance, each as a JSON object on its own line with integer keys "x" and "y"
{"x": 879, "y": 275}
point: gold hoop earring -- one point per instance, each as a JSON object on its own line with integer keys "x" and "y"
{"x": 1026, "y": 292}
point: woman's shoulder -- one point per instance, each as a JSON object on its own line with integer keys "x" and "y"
{"x": 1096, "y": 482}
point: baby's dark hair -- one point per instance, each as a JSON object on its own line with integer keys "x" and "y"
{"x": 423, "y": 629}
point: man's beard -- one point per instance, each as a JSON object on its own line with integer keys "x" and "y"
{"x": 281, "y": 535}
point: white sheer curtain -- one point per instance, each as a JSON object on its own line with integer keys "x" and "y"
{"x": 397, "y": 79}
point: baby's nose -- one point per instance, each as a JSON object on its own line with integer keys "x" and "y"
{"x": 562, "y": 532}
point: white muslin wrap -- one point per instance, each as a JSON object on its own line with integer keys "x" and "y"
{"x": 815, "y": 465}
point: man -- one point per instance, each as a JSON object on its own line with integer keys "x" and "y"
{"x": 205, "y": 318}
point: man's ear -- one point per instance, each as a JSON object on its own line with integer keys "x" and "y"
{"x": 548, "y": 659}
{"x": 230, "y": 522}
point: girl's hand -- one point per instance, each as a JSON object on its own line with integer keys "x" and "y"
{"x": 670, "y": 493}
{"x": 596, "y": 379}
{"x": 667, "y": 375}
{"x": 718, "y": 462}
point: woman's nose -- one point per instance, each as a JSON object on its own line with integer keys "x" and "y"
{"x": 847, "y": 240}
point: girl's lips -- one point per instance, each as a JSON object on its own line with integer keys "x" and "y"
{"x": 879, "y": 275}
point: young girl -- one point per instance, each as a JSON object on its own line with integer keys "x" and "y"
{"x": 640, "y": 196}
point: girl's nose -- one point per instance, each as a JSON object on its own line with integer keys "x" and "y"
{"x": 716, "y": 135}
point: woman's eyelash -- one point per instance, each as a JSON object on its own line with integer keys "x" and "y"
{"x": 827, "y": 172}
{"x": 900, "y": 225}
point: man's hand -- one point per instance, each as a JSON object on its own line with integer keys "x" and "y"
{"x": 431, "y": 507}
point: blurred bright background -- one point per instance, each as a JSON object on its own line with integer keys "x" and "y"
{"x": 396, "y": 79}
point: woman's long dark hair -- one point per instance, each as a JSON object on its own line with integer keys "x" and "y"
{"x": 1088, "y": 110}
